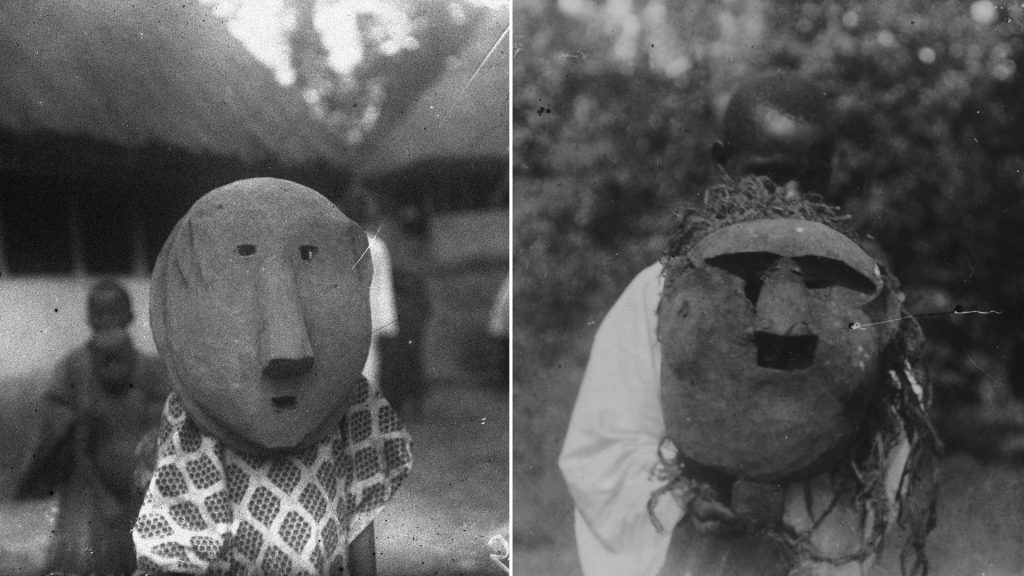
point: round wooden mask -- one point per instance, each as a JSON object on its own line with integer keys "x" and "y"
{"x": 260, "y": 308}
{"x": 767, "y": 362}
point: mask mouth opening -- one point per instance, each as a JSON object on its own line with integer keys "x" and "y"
{"x": 284, "y": 402}
{"x": 287, "y": 368}
{"x": 785, "y": 352}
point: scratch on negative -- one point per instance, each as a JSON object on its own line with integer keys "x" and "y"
{"x": 367, "y": 247}
{"x": 382, "y": 326}
{"x": 465, "y": 87}
{"x": 956, "y": 312}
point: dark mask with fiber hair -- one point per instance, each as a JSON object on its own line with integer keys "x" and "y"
{"x": 763, "y": 377}
{"x": 260, "y": 309}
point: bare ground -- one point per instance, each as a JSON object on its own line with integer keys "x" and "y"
{"x": 454, "y": 501}
{"x": 980, "y": 529}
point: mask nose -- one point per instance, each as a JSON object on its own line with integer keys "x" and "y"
{"x": 285, "y": 350}
{"x": 782, "y": 302}
{"x": 783, "y": 337}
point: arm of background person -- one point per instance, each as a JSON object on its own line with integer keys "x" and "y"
{"x": 611, "y": 447}
{"x": 52, "y": 452}
{"x": 383, "y": 309}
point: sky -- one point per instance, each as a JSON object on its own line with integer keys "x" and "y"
{"x": 263, "y": 27}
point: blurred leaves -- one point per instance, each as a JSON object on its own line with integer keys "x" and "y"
{"x": 405, "y": 47}
{"x": 607, "y": 141}
{"x": 928, "y": 104}
{"x": 361, "y": 65}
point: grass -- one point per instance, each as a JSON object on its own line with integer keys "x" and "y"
{"x": 543, "y": 397}
{"x": 456, "y": 497}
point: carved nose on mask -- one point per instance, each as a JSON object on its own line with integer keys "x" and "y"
{"x": 782, "y": 304}
{"x": 798, "y": 329}
{"x": 285, "y": 350}
{"x": 784, "y": 339}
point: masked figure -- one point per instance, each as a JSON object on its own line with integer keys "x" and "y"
{"x": 751, "y": 404}
{"x": 105, "y": 396}
{"x": 274, "y": 453}
{"x": 784, "y": 364}
{"x": 756, "y": 321}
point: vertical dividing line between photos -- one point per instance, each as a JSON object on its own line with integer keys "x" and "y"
{"x": 511, "y": 302}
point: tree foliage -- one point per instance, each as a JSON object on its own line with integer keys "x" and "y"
{"x": 927, "y": 97}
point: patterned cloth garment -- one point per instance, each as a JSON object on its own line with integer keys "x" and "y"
{"x": 210, "y": 510}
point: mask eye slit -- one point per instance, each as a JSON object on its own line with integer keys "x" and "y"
{"x": 307, "y": 252}
{"x": 819, "y": 272}
{"x": 246, "y": 249}
{"x": 749, "y": 267}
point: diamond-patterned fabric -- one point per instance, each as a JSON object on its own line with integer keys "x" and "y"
{"x": 210, "y": 510}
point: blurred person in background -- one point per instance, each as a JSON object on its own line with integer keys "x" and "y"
{"x": 407, "y": 233}
{"x": 382, "y": 305}
{"x": 383, "y": 309}
{"x": 778, "y": 125}
{"x": 104, "y": 398}
{"x": 497, "y": 322}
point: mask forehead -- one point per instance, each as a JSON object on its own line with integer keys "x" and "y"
{"x": 270, "y": 195}
{"x": 271, "y": 208}
{"x": 789, "y": 238}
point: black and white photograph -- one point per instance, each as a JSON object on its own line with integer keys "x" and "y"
{"x": 490, "y": 287}
{"x": 254, "y": 287}
{"x": 767, "y": 287}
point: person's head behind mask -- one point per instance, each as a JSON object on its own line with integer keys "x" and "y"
{"x": 778, "y": 125}
{"x": 109, "y": 305}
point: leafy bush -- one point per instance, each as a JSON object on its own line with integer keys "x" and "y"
{"x": 928, "y": 104}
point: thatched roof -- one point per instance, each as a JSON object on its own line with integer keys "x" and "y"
{"x": 148, "y": 73}
{"x": 463, "y": 114}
